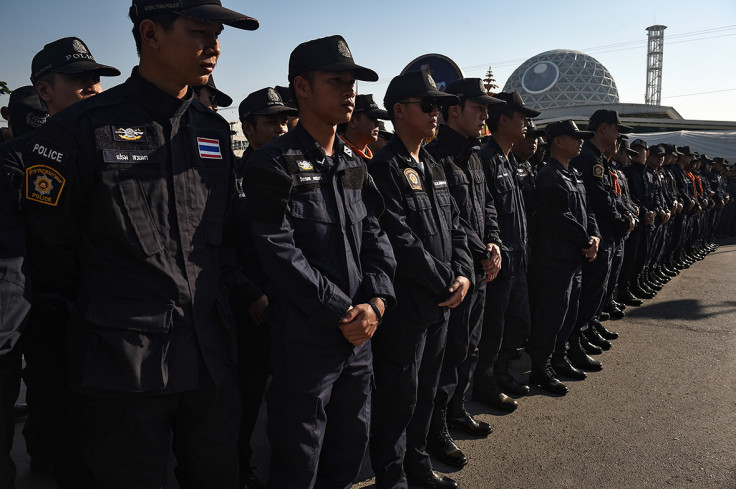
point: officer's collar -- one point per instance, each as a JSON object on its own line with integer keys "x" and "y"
{"x": 453, "y": 139}
{"x": 559, "y": 166}
{"x": 160, "y": 105}
{"x": 493, "y": 146}
{"x": 402, "y": 152}
{"x": 315, "y": 152}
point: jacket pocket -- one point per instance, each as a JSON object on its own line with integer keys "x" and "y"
{"x": 140, "y": 216}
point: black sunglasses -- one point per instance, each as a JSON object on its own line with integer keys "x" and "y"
{"x": 427, "y": 106}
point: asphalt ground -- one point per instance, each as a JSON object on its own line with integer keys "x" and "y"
{"x": 661, "y": 413}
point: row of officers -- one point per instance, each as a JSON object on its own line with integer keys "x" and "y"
{"x": 153, "y": 283}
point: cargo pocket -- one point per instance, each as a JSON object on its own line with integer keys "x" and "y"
{"x": 128, "y": 345}
{"x": 217, "y": 180}
{"x": 419, "y": 214}
{"x": 140, "y": 216}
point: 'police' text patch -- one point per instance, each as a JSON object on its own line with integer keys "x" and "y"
{"x": 44, "y": 184}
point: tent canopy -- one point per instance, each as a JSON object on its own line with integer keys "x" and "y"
{"x": 711, "y": 143}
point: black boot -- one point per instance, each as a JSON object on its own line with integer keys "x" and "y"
{"x": 563, "y": 368}
{"x": 460, "y": 419}
{"x": 486, "y": 390}
{"x": 544, "y": 377}
{"x": 441, "y": 445}
{"x": 579, "y": 358}
{"x": 626, "y": 296}
{"x": 601, "y": 330}
{"x": 593, "y": 337}
{"x": 506, "y": 382}
{"x": 588, "y": 347}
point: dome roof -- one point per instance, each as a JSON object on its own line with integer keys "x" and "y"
{"x": 562, "y": 78}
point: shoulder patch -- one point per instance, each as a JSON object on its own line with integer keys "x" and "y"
{"x": 44, "y": 184}
{"x": 413, "y": 178}
{"x": 598, "y": 170}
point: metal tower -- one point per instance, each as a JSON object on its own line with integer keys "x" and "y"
{"x": 654, "y": 64}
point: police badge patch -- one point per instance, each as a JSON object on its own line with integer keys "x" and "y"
{"x": 44, "y": 184}
{"x": 128, "y": 134}
{"x": 598, "y": 170}
{"x": 413, "y": 178}
{"x": 305, "y": 165}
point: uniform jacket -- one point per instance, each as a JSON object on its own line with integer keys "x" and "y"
{"x": 314, "y": 222}
{"x": 125, "y": 203}
{"x": 422, "y": 221}
{"x": 565, "y": 221}
{"x": 467, "y": 183}
{"x": 594, "y": 167}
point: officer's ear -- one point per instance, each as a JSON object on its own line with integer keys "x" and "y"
{"x": 248, "y": 129}
{"x": 149, "y": 31}
{"x": 455, "y": 111}
{"x": 399, "y": 110}
{"x": 44, "y": 88}
{"x": 301, "y": 86}
{"x": 4, "y": 112}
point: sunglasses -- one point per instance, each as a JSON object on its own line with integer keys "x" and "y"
{"x": 427, "y": 105}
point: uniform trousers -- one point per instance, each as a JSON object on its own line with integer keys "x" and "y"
{"x": 10, "y": 365}
{"x": 594, "y": 284}
{"x": 127, "y": 439}
{"x": 407, "y": 364}
{"x": 318, "y": 415}
{"x": 555, "y": 295}
{"x": 461, "y": 350}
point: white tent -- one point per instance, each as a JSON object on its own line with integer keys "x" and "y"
{"x": 711, "y": 143}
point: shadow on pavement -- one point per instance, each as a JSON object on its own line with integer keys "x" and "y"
{"x": 682, "y": 309}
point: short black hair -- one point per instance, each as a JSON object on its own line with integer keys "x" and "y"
{"x": 164, "y": 19}
{"x": 494, "y": 115}
{"x": 446, "y": 109}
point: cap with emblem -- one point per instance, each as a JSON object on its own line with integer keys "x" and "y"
{"x": 514, "y": 100}
{"x": 26, "y": 110}
{"x": 657, "y": 150}
{"x": 670, "y": 149}
{"x": 685, "y": 150}
{"x": 286, "y": 96}
{"x": 68, "y": 55}
{"x": 607, "y": 116}
{"x": 326, "y": 54}
{"x": 532, "y": 131}
{"x": 472, "y": 89}
{"x": 625, "y": 146}
{"x": 219, "y": 98}
{"x": 705, "y": 159}
{"x": 567, "y": 127}
{"x": 364, "y": 104}
{"x": 639, "y": 143}
{"x": 207, "y": 10}
{"x": 720, "y": 160}
{"x": 416, "y": 84}
{"x": 265, "y": 101}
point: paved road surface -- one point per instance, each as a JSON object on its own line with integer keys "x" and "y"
{"x": 662, "y": 413}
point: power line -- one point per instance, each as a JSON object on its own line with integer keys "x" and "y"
{"x": 700, "y": 93}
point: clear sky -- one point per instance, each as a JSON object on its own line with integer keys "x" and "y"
{"x": 699, "y": 75}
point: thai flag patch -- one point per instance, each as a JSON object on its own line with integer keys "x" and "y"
{"x": 209, "y": 148}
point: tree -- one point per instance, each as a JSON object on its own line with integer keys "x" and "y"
{"x": 4, "y": 90}
{"x": 489, "y": 82}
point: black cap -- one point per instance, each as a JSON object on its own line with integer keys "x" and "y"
{"x": 26, "y": 110}
{"x": 265, "y": 101}
{"x": 209, "y": 10}
{"x": 382, "y": 132}
{"x": 68, "y": 55}
{"x": 326, "y": 54}
{"x": 416, "y": 84}
{"x": 720, "y": 160}
{"x": 567, "y": 127}
{"x": 286, "y": 96}
{"x": 532, "y": 131}
{"x": 514, "y": 100}
{"x": 221, "y": 99}
{"x": 364, "y": 104}
{"x": 627, "y": 148}
{"x": 607, "y": 116}
{"x": 671, "y": 149}
{"x": 640, "y": 143}
{"x": 705, "y": 159}
{"x": 657, "y": 150}
{"x": 685, "y": 150}
{"x": 472, "y": 89}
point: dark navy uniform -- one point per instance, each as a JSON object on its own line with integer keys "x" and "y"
{"x": 467, "y": 183}
{"x": 314, "y": 220}
{"x": 422, "y": 222}
{"x": 565, "y": 225}
{"x": 15, "y": 300}
{"x": 613, "y": 223}
{"x": 126, "y": 198}
{"x": 506, "y": 322}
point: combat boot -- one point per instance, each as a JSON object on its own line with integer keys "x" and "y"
{"x": 544, "y": 377}
{"x": 486, "y": 391}
{"x": 506, "y": 382}
{"x": 460, "y": 419}
{"x": 440, "y": 444}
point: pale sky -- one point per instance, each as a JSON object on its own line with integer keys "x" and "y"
{"x": 699, "y": 74}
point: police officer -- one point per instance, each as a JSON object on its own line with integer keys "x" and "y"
{"x": 362, "y": 128}
{"x": 314, "y": 215}
{"x": 63, "y": 73}
{"x": 568, "y": 235}
{"x": 125, "y": 206}
{"x": 455, "y": 148}
{"x": 263, "y": 117}
{"x": 506, "y": 321}
{"x": 613, "y": 222}
{"x": 26, "y": 112}
{"x": 288, "y": 99}
{"x": 432, "y": 276}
